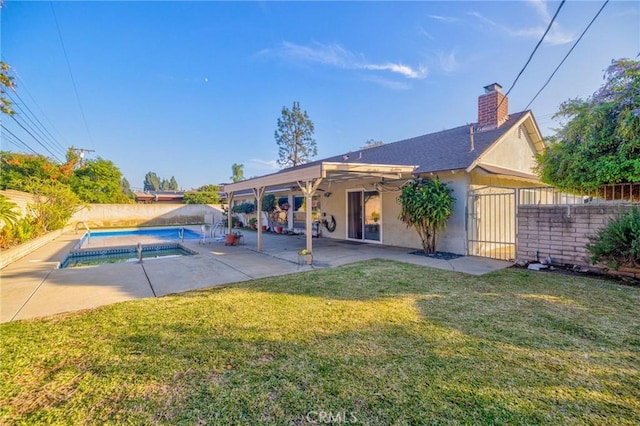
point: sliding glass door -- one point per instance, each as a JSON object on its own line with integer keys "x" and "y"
{"x": 363, "y": 215}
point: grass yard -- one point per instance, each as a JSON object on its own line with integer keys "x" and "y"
{"x": 379, "y": 342}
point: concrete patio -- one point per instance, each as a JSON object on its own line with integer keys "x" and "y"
{"x": 33, "y": 286}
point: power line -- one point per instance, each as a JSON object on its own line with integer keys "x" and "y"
{"x": 39, "y": 124}
{"x": 28, "y": 121}
{"x": 75, "y": 89}
{"x": 567, "y": 55}
{"x": 532, "y": 53}
{"x": 18, "y": 139}
{"x": 35, "y": 139}
{"x": 25, "y": 89}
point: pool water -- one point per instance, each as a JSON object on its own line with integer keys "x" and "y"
{"x": 103, "y": 239}
{"x": 123, "y": 255}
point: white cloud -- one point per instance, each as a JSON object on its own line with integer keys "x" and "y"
{"x": 420, "y": 72}
{"x": 337, "y": 56}
{"x": 555, "y": 36}
{"x": 443, "y": 18}
{"x": 448, "y": 61}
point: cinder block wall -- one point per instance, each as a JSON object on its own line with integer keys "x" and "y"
{"x": 561, "y": 231}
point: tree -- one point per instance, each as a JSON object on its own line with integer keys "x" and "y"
{"x": 600, "y": 142}
{"x": 237, "y": 172}
{"x": 371, "y": 143}
{"x": 151, "y": 182}
{"x": 99, "y": 181}
{"x": 19, "y": 169}
{"x": 426, "y": 205}
{"x": 126, "y": 188}
{"x": 6, "y": 82}
{"x": 201, "y": 197}
{"x": 209, "y": 188}
{"x": 173, "y": 184}
{"x": 295, "y": 137}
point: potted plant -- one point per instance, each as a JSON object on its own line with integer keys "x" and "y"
{"x": 253, "y": 223}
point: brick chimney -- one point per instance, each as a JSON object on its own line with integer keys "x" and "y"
{"x": 489, "y": 115}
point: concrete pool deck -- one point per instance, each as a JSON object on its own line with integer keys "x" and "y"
{"x": 33, "y": 286}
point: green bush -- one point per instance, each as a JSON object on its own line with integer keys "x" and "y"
{"x": 618, "y": 243}
{"x": 201, "y": 197}
{"x": 244, "y": 208}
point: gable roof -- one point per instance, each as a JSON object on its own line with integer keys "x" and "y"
{"x": 434, "y": 152}
{"x": 445, "y": 150}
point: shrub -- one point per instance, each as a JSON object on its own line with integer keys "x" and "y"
{"x": 426, "y": 205}
{"x": 247, "y": 208}
{"x": 54, "y": 204}
{"x": 201, "y": 197}
{"x": 618, "y": 243}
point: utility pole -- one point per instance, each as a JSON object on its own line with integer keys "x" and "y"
{"x": 80, "y": 152}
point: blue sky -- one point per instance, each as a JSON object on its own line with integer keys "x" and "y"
{"x": 186, "y": 89}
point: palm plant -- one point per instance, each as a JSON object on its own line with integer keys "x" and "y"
{"x": 8, "y": 216}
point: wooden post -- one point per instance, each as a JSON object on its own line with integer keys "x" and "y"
{"x": 230, "y": 203}
{"x": 259, "y": 193}
{"x": 309, "y": 188}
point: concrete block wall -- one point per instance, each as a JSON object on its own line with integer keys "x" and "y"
{"x": 561, "y": 232}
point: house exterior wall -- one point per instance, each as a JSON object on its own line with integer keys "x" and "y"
{"x": 515, "y": 152}
{"x": 393, "y": 231}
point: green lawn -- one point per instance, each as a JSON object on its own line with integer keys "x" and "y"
{"x": 379, "y": 342}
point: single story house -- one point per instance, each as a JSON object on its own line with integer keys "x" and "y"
{"x": 165, "y": 197}
{"x": 358, "y": 190}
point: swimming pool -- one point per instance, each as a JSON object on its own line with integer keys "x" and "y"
{"x": 124, "y": 254}
{"x": 115, "y": 238}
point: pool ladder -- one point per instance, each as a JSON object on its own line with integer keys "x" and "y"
{"x": 86, "y": 227}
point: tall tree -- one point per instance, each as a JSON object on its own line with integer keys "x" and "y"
{"x": 294, "y": 137}
{"x": 151, "y": 182}
{"x": 173, "y": 184}
{"x": 600, "y": 142}
{"x": 237, "y": 172}
{"x": 126, "y": 188}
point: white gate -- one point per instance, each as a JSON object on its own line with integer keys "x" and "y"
{"x": 491, "y": 223}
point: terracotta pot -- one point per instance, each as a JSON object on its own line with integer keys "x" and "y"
{"x": 230, "y": 240}
{"x": 279, "y": 229}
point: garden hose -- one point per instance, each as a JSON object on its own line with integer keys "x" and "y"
{"x": 330, "y": 225}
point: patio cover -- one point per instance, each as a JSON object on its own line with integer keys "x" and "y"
{"x": 308, "y": 177}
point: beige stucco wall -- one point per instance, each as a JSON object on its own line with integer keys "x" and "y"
{"x": 515, "y": 151}
{"x": 123, "y": 215}
{"x": 393, "y": 231}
